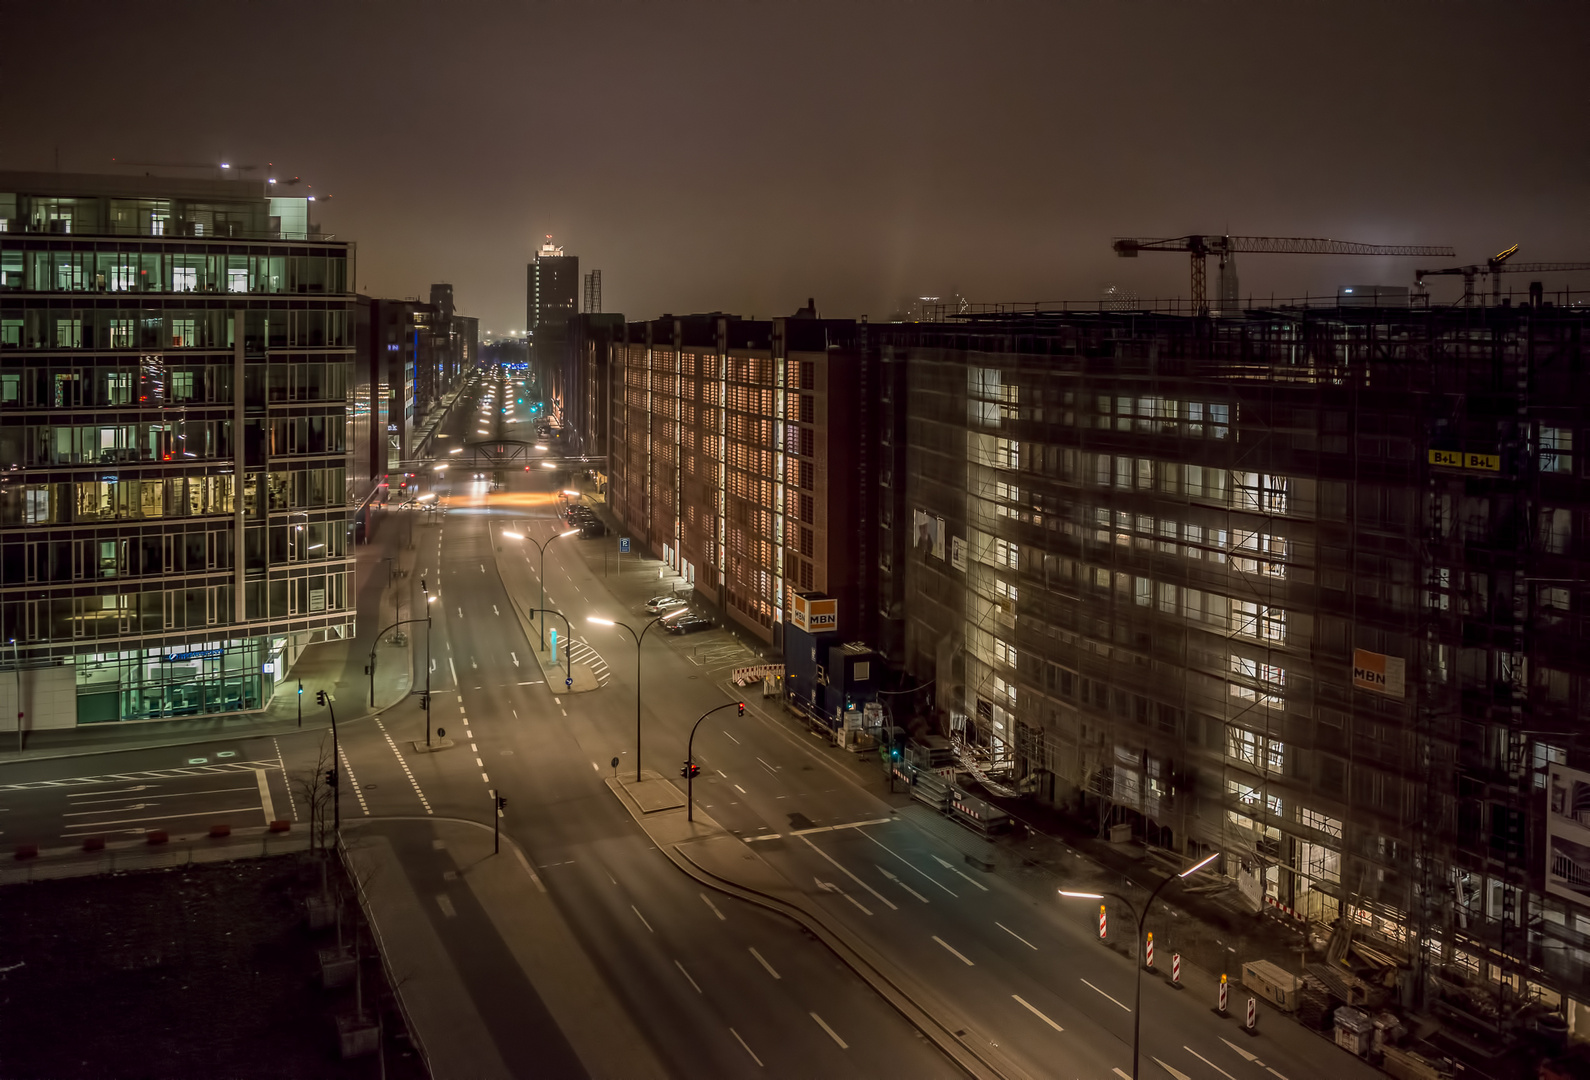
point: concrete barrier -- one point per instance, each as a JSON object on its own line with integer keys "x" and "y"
{"x": 27, "y": 851}
{"x": 156, "y": 836}
{"x": 218, "y": 832}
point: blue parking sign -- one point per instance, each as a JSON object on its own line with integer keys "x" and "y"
{"x": 623, "y": 545}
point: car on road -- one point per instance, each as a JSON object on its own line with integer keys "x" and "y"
{"x": 663, "y": 603}
{"x": 688, "y": 624}
{"x": 591, "y": 529}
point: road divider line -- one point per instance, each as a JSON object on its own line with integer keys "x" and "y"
{"x": 837, "y": 828}
{"x": 1176, "y": 1074}
{"x": 292, "y": 804}
{"x": 892, "y": 876}
{"x": 740, "y": 789}
{"x": 881, "y": 898}
{"x": 748, "y": 1050}
{"x": 732, "y": 739}
{"x": 1017, "y": 936}
{"x": 353, "y": 781}
{"x": 953, "y": 951}
{"x": 1209, "y": 1063}
{"x": 1102, "y": 994}
{"x": 760, "y": 959}
{"x": 1025, "y": 1004}
{"x": 708, "y": 900}
{"x": 1121, "y": 1073}
{"x": 952, "y": 869}
{"x": 686, "y": 974}
{"x": 404, "y": 765}
{"x": 642, "y": 919}
{"x": 832, "y": 1034}
{"x": 912, "y": 865}
{"x": 526, "y": 864}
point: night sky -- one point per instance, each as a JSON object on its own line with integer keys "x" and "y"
{"x": 744, "y": 156}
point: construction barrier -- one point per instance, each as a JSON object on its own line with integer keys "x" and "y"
{"x": 1253, "y": 1016}
{"x": 1101, "y": 922}
{"x": 1175, "y": 970}
{"x": 1148, "y": 952}
{"x": 1224, "y": 990}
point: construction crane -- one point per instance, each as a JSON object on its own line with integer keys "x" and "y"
{"x": 1495, "y": 267}
{"x": 1226, "y": 247}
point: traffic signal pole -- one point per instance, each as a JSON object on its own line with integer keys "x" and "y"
{"x": 690, "y": 760}
{"x": 497, "y": 804}
{"x": 333, "y": 775}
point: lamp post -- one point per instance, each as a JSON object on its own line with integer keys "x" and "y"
{"x": 690, "y": 758}
{"x": 638, "y": 639}
{"x": 16, "y": 666}
{"x": 1137, "y": 1000}
{"x": 378, "y": 637}
{"x": 541, "y": 550}
{"x": 335, "y": 775}
{"x": 429, "y": 600}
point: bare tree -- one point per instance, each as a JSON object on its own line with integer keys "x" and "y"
{"x": 317, "y": 795}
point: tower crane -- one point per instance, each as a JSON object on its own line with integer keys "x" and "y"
{"x": 1200, "y": 247}
{"x": 1495, "y": 267}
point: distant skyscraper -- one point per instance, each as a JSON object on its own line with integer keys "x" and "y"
{"x": 593, "y": 293}
{"x": 554, "y": 295}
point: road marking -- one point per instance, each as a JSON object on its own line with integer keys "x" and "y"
{"x": 143, "y": 805}
{"x": 494, "y": 610}
{"x": 595, "y": 767}
{"x": 952, "y": 869}
{"x": 685, "y": 973}
{"x": 829, "y": 886}
{"x": 1176, "y": 1074}
{"x": 532, "y": 873}
{"x": 1121, "y": 1074}
{"x": 843, "y": 1045}
{"x": 157, "y": 817}
{"x": 265, "y": 796}
{"x": 956, "y": 953}
{"x": 479, "y": 763}
{"x": 1245, "y": 1053}
{"x": 836, "y": 828}
{"x": 883, "y": 899}
{"x": 353, "y": 781}
{"x": 1096, "y": 990}
{"x": 515, "y": 658}
{"x": 912, "y": 865}
{"x": 761, "y": 960}
{"x": 151, "y": 774}
{"x": 742, "y": 791}
{"x": 446, "y": 905}
{"x": 642, "y": 918}
{"x": 1025, "y": 1004}
{"x": 486, "y": 778}
{"x": 896, "y": 879}
{"x": 482, "y": 568}
{"x": 1209, "y": 1063}
{"x": 748, "y": 1050}
{"x": 292, "y": 804}
{"x": 1015, "y": 935}
{"x": 768, "y": 767}
{"x": 454, "y": 670}
{"x": 732, "y": 739}
{"x": 1273, "y": 1072}
{"x": 708, "y": 900}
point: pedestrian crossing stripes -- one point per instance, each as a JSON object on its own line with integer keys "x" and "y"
{"x": 147, "y": 774}
{"x": 581, "y": 652}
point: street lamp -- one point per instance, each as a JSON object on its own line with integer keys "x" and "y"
{"x": 1137, "y": 1000}
{"x": 690, "y": 758}
{"x": 541, "y": 551}
{"x": 638, "y": 639}
{"x": 429, "y": 600}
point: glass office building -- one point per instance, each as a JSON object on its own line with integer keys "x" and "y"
{"x": 174, "y": 363}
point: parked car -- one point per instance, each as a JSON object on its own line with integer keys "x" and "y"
{"x": 688, "y": 624}
{"x": 664, "y": 603}
{"x": 592, "y": 529}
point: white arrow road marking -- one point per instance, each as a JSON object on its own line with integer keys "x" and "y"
{"x": 515, "y": 658}
{"x": 482, "y": 568}
{"x": 1177, "y": 1074}
{"x": 494, "y": 610}
{"x": 472, "y": 662}
{"x": 954, "y": 951}
{"x": 1028, "y": 1006}
{"x": 900, "y": 883}
{"x": 1102, "y": 994}
{"x": 446, "y": 905}
{"x": 1245, "y": 1053}
{"x": 881, "y": 898}
{"x": 908, "y": 862}
{"x": 954, "y": 870}
{"x": 460, "y": 613}
{"x": 1209, "y": 1063}
{"x": 829, "y": 886}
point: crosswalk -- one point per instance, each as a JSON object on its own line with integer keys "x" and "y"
{"x": 580, "y": 652}
{"x": 147, "y": 774}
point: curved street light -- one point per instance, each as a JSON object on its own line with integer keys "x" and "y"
{"x": 541, "y": 550}
{"x": 638, "y": 639}
{"x": 1137, "y": 1000}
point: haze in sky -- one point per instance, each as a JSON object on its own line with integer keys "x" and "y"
{"x": 744, "y": 156}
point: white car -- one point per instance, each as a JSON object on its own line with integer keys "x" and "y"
{"x": 663, "y": 603}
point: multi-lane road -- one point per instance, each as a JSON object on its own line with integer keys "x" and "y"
{"x": 718, "y": 987}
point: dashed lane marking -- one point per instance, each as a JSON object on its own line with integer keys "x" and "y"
{"x": 1015, "y": 935}
{"x": 832, "y": 1034}
{"x": 708, "y": 901}
{"x": 1025, "y": 1004}
{"x": 292, "y": 804}
{"x": 1102, "y": 994}
{"x": 353, "y": 781}
{"x": 1209, "y": 1063}
{"x": 403, "y": 765}
{"x": 642, "y": 919}
{"x": 686, "y": 974}
{"x": 760, "y": 959}
{"x": 954, "y": 951}
{"x": 748, "y": 1050}
{"x": 881, "y": 898}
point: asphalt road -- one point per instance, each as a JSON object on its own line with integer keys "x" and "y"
{"x": 720, "y": 987}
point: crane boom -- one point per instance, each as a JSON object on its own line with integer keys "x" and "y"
{"x": 1199, "y": 246}
{"x": 1496, "y": 266}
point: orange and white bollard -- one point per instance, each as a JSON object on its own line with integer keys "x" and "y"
{"x": 1102, "y": 924}
{"x": 1175, "y": 970}
{"x": 1148, "y": 952}
{"x": 1220, "y": 1009}
{"x": 1252, "y": 1026}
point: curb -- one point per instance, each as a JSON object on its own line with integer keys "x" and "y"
{"x": 851, "y": 954}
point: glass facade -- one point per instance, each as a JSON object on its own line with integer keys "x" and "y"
{"x": 174, "y": 410}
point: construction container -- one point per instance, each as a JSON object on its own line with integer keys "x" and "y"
{"x": 1354, "y": 1030}
{"x": 1406, "y": 1065}
{"x": 1273, "y": 983}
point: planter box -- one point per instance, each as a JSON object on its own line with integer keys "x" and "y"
{"x": 320, "y": 911}
{"x": 336, "y": 968}
{"x": 357, "y": 1035}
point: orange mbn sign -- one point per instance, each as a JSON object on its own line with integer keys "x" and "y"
{"x": 1378, "y": 672}
{"x": 813, "y": 615}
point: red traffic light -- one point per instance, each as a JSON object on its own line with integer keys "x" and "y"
{"x": 742, "y": 708}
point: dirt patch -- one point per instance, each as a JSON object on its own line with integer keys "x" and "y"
{"x": 204, "y": 971}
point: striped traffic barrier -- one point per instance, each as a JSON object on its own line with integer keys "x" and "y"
{"x": 1148, "y": 953}
{"x": 1175, "y": 970}
{"x": 1220, "y": 1009}
{"x": 1252, "y": 1027}
{"x": 1102, "y": 925}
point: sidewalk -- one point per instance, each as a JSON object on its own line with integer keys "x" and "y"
{"x": 490, "y": 976}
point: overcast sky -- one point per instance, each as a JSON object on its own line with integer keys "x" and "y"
{"x": 743, "y": 156}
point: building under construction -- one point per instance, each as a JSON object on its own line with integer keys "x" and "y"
{"x": 1301, "y": 585}
{"x": 1305, "y": 586}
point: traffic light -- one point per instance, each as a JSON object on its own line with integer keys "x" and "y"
{"x": 742, "y": 709}
{"x": 425, "y": 703}
{"x": 690, "y": 769}
{"x": 331, "y": 777}
{"x": 501, "y": 802}
{"x": 320, "y": 696}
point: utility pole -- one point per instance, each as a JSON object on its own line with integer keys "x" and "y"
{"x": 300, "y": 702}
{"x": 16, "y": 665}
{"x": 333, "y": 775}
{"x": 497, "y": 804}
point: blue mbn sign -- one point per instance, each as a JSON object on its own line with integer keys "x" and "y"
{"x": 201, "y": 654}
{"x": 623, "y": 545}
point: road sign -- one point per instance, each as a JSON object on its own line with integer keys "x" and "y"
{"x": 615, "y": 763}
{"x": 623, "y": 545}
{"x": 568, "y": 683}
